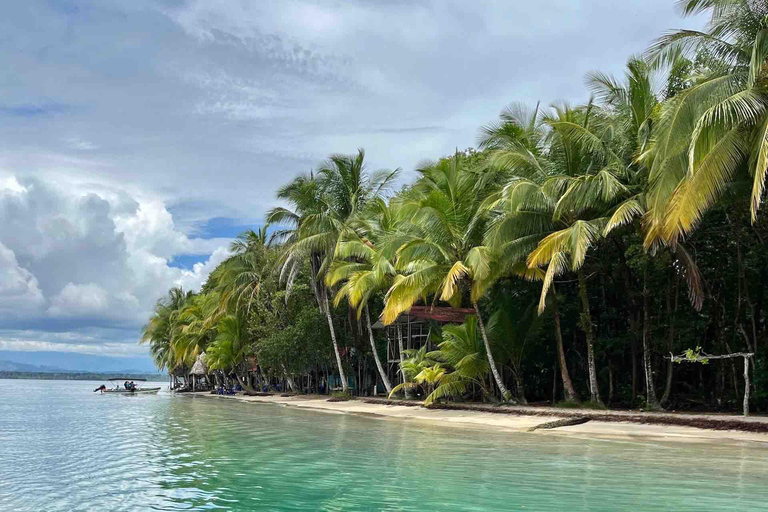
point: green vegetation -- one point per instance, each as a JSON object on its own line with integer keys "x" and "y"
{"x": 592, "y": 241}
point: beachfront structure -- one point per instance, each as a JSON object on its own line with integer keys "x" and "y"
{"x": 415, "y": 327}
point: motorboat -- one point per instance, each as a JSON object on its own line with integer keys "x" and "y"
{"x": 126, "y": 386}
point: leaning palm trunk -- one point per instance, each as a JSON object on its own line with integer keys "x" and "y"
{"x": 402, "y": 359}
{"x": 496, "y": 376}
{"x": 586, "y": 324}
{"x": 244, "y": 384}
{"x": 382, "y": 373}
{"x": 568, "y": 389}
{"x": 327, "y": 308}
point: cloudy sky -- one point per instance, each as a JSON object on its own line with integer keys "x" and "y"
{"x": 138, "y": 136}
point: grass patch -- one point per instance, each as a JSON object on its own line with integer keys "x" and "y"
{"x": 566, "y": 404}
{"x": 596, "y": 406}
{"x": 340, "y": 396}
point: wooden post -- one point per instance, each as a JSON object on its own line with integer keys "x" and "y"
{"x": 746, "y": 386}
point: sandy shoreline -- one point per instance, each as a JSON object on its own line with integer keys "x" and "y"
{"x": 510, "y": 423}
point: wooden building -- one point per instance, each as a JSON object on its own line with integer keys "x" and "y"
{"x": 415, "y": 328}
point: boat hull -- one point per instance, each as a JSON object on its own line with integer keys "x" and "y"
{"x": 145, "y": 391}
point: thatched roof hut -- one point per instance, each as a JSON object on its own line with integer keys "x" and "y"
{"x": 199, "y": 368}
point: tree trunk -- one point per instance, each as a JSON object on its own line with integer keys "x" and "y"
{"x": 382, "y": 373}
{"x": 520, "y": 387}
{"x": 671, "y": 316}
{"x": 586, "y": 325}
{"x": 335, "y": 344}
{"x": 568, "y": 389}
{"x": 610, "y": 383}
{"x": 245, "y": 385}
{"x": 502, "y": 388}
{"x": 651, "y": 401}
{"x": 402, "y": 357}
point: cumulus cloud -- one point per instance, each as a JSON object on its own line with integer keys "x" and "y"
{"x": 72, "y": 259}
{"x": 19, "y": 291}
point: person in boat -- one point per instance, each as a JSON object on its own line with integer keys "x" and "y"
{"x": 101, "y": 388}
{"x": 132, "y": 386}
{"x": 126, "y": 385}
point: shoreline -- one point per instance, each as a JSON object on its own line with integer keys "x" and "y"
{"x": 616, "y": 425}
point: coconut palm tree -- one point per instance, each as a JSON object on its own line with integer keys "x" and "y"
{"x": 196, "y": 327}
{"x": 327, "y": 206}
{"x": 442, "y": 254}
{"x": 159, "y": 330}
{"x": 522, "y": 213}
{"x": 553, "y": 208}
{"x": 714, "y": 133}
{"x": 362, "y": 263}
{"x": 422, "y": 371}
{"x": 463, "y": 350}
{"x": 229, "y": 349}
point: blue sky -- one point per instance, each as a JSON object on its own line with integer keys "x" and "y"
{"x": 137, "y": 137}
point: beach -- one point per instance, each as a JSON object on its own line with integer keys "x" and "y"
{"x": 602, "y": 424}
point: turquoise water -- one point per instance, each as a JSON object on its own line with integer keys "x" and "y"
{"x": 63, "y": 447}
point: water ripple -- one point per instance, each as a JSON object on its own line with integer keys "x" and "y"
{"x": 65, "y": 448}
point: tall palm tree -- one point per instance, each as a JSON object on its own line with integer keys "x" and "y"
{"x": 326, "y": 207}
{"x": 159, "y": 330}
{"x": 715, "y": 132}
{"x": 553, "y": 208}
{"x": 363, "y": 263}
{"x": 522, "y": 212}
{"x": 443, "y": 255}
{"x": 229, "y": 349}
{"x": 196, "y": 327}
{"x": 632, "y": 105}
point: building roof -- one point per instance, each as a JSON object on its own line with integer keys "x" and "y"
{"x": 444, "y": 315}
{"x": 199, "y": 368}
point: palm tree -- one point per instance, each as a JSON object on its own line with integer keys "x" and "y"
{"x": 463, "y": 350}
{"x": 363, "y": 263}
{"x": 422, "y": 372}
{"x": 553, "y": 208}
{"x": 523, "y": 212}
{"x": 443, "y": 255}
{"x": 229, "y": 349}
{"x": 715, "y": 132}
{"x": 159, "y": 330}
{"x": 632, "y": 105}
{"x": 196, "y": 327}
{"x": 327, "y": 207}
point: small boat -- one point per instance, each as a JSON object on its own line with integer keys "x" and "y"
{"x": 121, "y": 389}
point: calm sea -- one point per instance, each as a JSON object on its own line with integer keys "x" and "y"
{"x": 63, "y": 447}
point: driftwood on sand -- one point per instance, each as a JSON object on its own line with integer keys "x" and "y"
{"x": 565, "y": 422}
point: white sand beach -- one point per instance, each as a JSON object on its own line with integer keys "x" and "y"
{"x": 519, "y": 422}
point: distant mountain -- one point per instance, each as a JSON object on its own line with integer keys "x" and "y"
{"x": 73, "y": 362}
{"x": 12, "y": 366}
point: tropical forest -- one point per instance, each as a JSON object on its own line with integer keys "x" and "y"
{"x": 610, "y": 253}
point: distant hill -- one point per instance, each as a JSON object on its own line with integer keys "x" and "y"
{"x": 12, "y": 366}
{"x": 73, "y": 362}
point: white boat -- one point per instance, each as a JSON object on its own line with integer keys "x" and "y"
{"x": 126, "y": 388}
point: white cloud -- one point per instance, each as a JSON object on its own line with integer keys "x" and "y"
{"x": 72, "y": 259}
{"x": 80, "y": 300}
{"x": 19, "y": 291}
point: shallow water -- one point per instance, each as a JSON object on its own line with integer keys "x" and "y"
{"x": 63, "y": 447}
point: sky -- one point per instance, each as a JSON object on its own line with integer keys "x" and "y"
{"x": 137, "y": 137}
